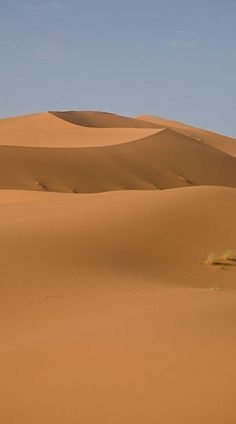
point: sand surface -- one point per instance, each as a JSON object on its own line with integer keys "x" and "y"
{"x": 118, "y": 271}
{"x": 221, "y": 142}
{"x": 47, "y": 130}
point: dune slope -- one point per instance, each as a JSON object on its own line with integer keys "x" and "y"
{"x": 117, "y": 296}
{"x": 103, "y": 120}
{"x": 111, "y": 314}
{"x": 164, "y": 160}
{"x": 47, "y": 130}
{"x": 128, "y": 234}
{"x": 221, "y": 142}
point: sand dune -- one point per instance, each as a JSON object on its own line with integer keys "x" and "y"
{"x": 47, "y": 130}
{"x": 119, "y": 233}
{"x": 93, "y": 328}
{"x": 117, "y": 295}
{"x": 221, "y": 142}
{"x": 103, "y": 120}
{"x": 164, "y": 160}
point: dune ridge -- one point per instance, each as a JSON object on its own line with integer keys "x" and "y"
{"x": 118, "y": 271}
{"x": 102, "y": 120}
{"x": 164, "y": 160}
{"x": 47, "y": 130}
{"x": 221, "y": 142}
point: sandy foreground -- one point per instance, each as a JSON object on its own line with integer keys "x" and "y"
{"x": 118, "y": 271}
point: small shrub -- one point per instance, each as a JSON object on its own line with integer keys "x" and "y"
{"x": 229, "y": 255}
{"x": 212, "y": 260}
{"x": 223, "y": 260}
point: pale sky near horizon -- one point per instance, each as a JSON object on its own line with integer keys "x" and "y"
{"x": 172, "y": 58}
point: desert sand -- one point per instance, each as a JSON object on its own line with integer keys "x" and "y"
{"x": 118, "y": 271}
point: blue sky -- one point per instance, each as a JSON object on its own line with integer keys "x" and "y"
{"x": 172, "y": 58}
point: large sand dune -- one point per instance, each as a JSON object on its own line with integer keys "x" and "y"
{"x": 117, "y": 296}
{"x": 47, "y": 130}
{"x": 221, "y": 142}
{"x": 106, "y": 235}
{"x": 166, "y": 159}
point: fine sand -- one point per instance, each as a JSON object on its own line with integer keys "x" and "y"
{"x": 118, "y": 271}
{"x": 221, "y": 142}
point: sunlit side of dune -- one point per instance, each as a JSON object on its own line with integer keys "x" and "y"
{"x": 118, "y": 271}
{"x": 221, "y": 142}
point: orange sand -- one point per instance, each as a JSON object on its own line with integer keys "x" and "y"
{"x": 111, "y": 310}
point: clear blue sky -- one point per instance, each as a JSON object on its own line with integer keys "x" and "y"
{"x": 173, "y": 58}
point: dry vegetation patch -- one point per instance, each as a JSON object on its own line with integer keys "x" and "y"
{"x": 227, "y": 258}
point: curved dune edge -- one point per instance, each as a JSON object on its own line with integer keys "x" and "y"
{"x": 102, "y": 120}
{"x": 47, "y": 130}
{"x": 117, "y": 306}
{"x": 89, "y": 129}
{"x": 218, "y": 141}
{"x": 164, "y": 160}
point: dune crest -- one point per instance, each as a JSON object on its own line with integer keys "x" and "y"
{"x": 47, "y": 130}
{"x": 103, "y": 120}
{"x": 164, "y": 160}
{"x": 118, "y": 271}
{"x": 221, "y": 142}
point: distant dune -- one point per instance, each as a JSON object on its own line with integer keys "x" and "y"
{"x": 47, "y": 130}
{"x": 165, "y": 159}
{"x": 118, "y": 271}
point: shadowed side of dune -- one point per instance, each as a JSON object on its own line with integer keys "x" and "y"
{"x": 47, "y": 130}
{"x": 160, "y": 236}
{"x": 102, "y": 120}
{"x": 117, "y": 304}
{"x": 219, "y": 141}
{"x": 99, "y": 324}
{"x": 164, "y": 160}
